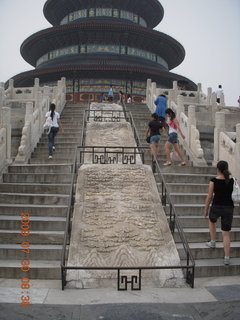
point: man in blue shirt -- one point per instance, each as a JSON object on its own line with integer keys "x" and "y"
{"x": 161, "y": 106}
{"x": 110, "y": 94}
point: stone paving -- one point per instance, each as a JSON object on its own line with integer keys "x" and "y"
{"x": 210, "y": 299}
{"x": 204, "y": 311}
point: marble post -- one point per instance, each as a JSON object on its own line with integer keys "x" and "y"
{"x": 6, "y": 123}
{"x": 220, "y": 126}
{"x": 180, "y": 105}
{"x": 148, "y": 92}
{"x": 209, "y": 95}
{"x": 237, "y": 152}
{"x": 191, "y": 122}
{"x": 36, "y": 88}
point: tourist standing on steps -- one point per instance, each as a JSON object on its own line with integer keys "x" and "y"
{"x": 220, "y": 198}
{"x": 121, "y": 97}
{"x": 110, "y": 94}
{"x": 172, "y": 140}
{"x": 219, "y": 92}
{"x": 102, "y": 97}
{"x": 129, "y": 99}
{"x": 54, "y": 129}
{"x": 161, "y": 106}
{"x": 153, "y": 131}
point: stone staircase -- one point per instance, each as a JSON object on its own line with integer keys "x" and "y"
{"x": 188, "y": 187}
{"x": 40, "y": 188}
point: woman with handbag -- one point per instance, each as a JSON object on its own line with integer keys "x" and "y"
{"x": 220, "y": 197}
{"x": 56, "y": 123}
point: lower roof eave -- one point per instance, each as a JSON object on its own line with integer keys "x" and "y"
{"x": 91, "y": 72}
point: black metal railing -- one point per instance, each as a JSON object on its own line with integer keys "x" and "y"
{"x": 129, "y": 117}
{"x": 109, "y": 155}
{"x": 175, "y": 224}
{"x": 109, "y": 116}
{"x": 106, "y": 115}
{"x": 68, "y": 224}
{"x": 134, "y": 280}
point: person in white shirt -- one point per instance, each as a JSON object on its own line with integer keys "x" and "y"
{"x": 219, "y": 92}
{"x": 129, "y": 99}
{"x": 55, "y": 116}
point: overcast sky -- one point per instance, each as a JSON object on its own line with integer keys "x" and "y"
{"x": 209, "y": 30}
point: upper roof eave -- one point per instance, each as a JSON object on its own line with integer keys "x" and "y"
{"x": 151, "y": 10}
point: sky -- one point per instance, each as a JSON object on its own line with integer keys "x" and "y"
{"x": 209, "y": 30}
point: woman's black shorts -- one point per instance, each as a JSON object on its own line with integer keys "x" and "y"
{"x": 226, "y": 214}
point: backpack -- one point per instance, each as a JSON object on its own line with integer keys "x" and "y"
{"x": 236, "y": 191}
{"x": 48, "y": 124}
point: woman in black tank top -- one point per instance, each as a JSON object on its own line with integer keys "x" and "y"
{"x": 220, "y": 197}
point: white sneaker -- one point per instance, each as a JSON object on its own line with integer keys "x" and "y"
{"x": 226, "y": 261}
{"x": 49, "y": 157}
{"x": 167, "y": 163}
{"x": 211, "y": 244}
{"x": 53, "y": 148}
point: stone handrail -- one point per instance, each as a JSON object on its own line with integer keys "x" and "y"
{"x": 5, "y": 131}
{"x": 152, "y": 92}
{"x": 191, "y": 143}
{"x": 5, "y": 137}
{"x": 35, "y": 118}
{"x": 198, "y": 98}
{"x": 227, "y": 145}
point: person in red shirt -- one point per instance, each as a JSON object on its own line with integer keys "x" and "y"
{"x": 173, "y": 129}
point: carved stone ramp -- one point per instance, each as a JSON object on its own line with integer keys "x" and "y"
{"x": 118, "y": 219}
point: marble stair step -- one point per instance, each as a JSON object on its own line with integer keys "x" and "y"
{"x": 39, "y": 269}
{"x": 201, "y": 251}
{"x": 34, "y": 209}
{"x": 36, "y": 237}
{"x": 54, "y": 160}
{"x": 45, "y": 223}
{"x": 200, "y": 222}
{"x": 34, "y": 168}
{"x": 47, "y": 178}
{"x": 186, "y": 177}
{"x": 188, "y": 188}
{"x": 37, "y": 251}
{"x": 188, "y": 197}
{"x": 215, "y": 267}
{"x": 59, "y": 144}
{"x": 68, "y": 139}
{"x": 197, "y": 234}
{"x": 58, "y": 154}
{"x": 27, "y": 198}
{"x": 38, "y": 188}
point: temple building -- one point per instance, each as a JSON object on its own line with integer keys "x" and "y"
{"x": 98, "y": 43}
